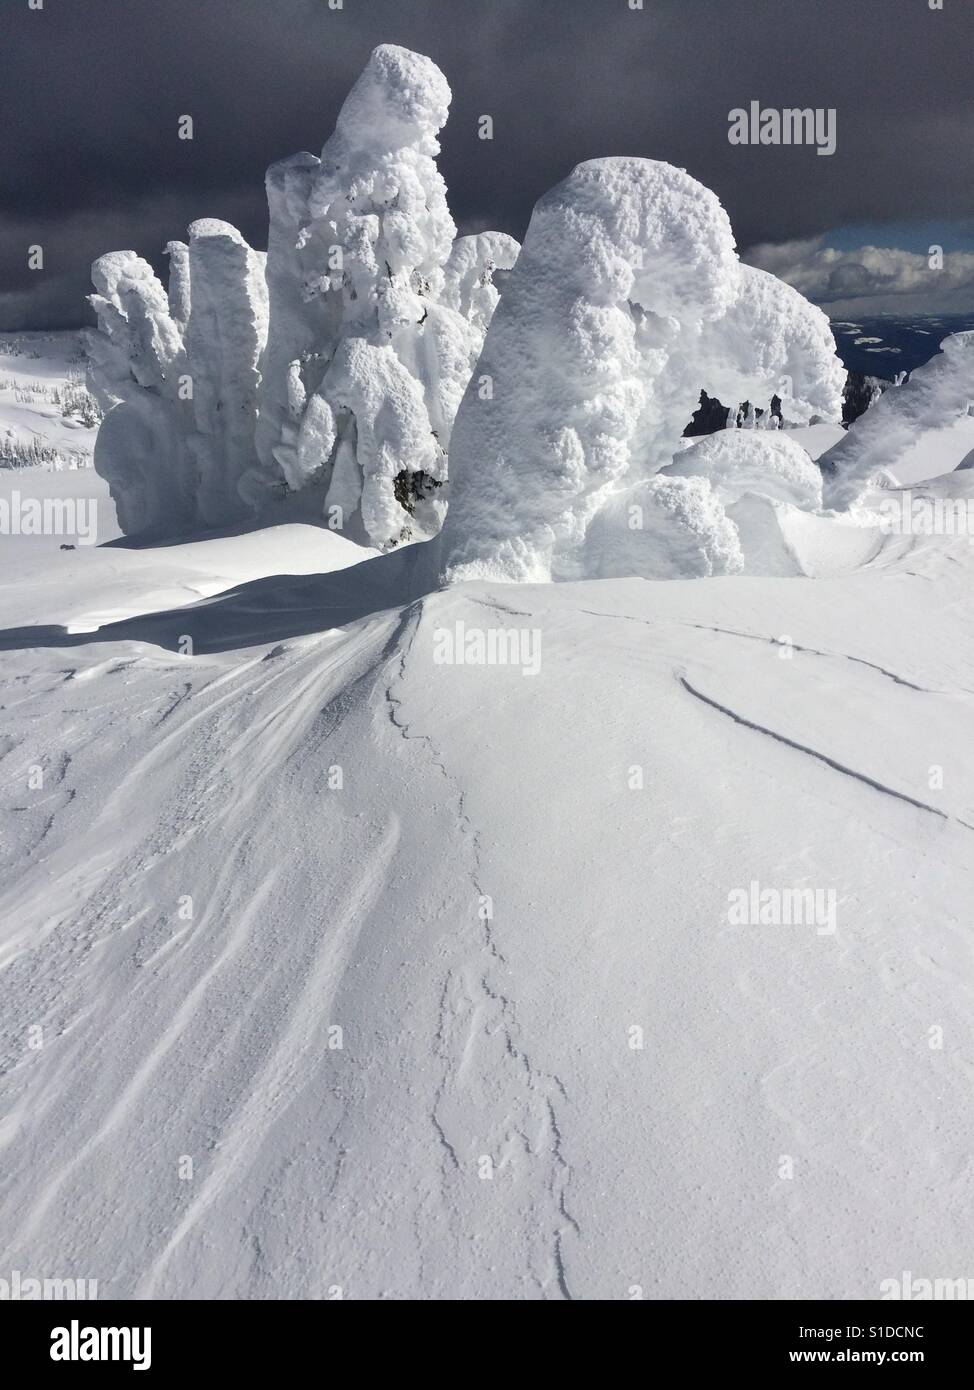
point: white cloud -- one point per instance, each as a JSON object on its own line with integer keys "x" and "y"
{"x": 871, "y": 279}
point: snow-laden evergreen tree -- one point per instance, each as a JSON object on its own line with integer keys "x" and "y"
{"x": 178, "y": 375}
{"x": 627, "y": 298}
{"x": 135, "y": 361}
{"x": 377, "y": 311}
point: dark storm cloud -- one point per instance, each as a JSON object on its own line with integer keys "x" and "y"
{"x": 93, "y": 90}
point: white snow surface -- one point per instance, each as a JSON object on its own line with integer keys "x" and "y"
{"x": 193, "y": 902}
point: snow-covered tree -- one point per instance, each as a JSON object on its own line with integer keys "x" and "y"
{"x": 935, "y": 394}
{"x": 178, "y": 375}
{"x": 772, "y": 341}
{"x": 225, "y": 334}
{"x": 377, "y": 311}
{"x": 627, "y": 297}
{"x": 135, "y": 360}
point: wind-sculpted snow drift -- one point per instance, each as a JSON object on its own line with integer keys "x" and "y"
{"x": 627, "y": 297}
{"x": 328, "y": 378}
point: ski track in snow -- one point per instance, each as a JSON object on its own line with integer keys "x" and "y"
{"x": 813, "y": 651}
{"x": 812, "y": 753}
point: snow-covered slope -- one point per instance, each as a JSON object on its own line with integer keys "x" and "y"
{"x": 46, "y": 414}
{"x": 329, "y": 965}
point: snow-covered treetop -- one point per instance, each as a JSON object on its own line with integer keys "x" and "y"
{"x": 469, "y": 286}
{"x": 377, "y": 313}
{"x": 138, "y": 337}
{"x": 378, "y": 195}
{"x": 637, "y": 230}
{"x": 772, "y": 334}
{"x": 401, "y": 99}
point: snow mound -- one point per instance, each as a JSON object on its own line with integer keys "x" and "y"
{"x": 664, "y": 528}
{"x": 937, "y": 393}
{"x": 765, "y": 462}
{"x": 626, "y": 298}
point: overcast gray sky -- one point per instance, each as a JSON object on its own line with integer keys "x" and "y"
{"x": 93, "y": 89}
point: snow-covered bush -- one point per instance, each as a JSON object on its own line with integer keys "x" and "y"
{"x": 717, "y": 509}
{"x": 936, "y": 394}
{"x": 758, "y": 477}
{"x": 627, "y": 298}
